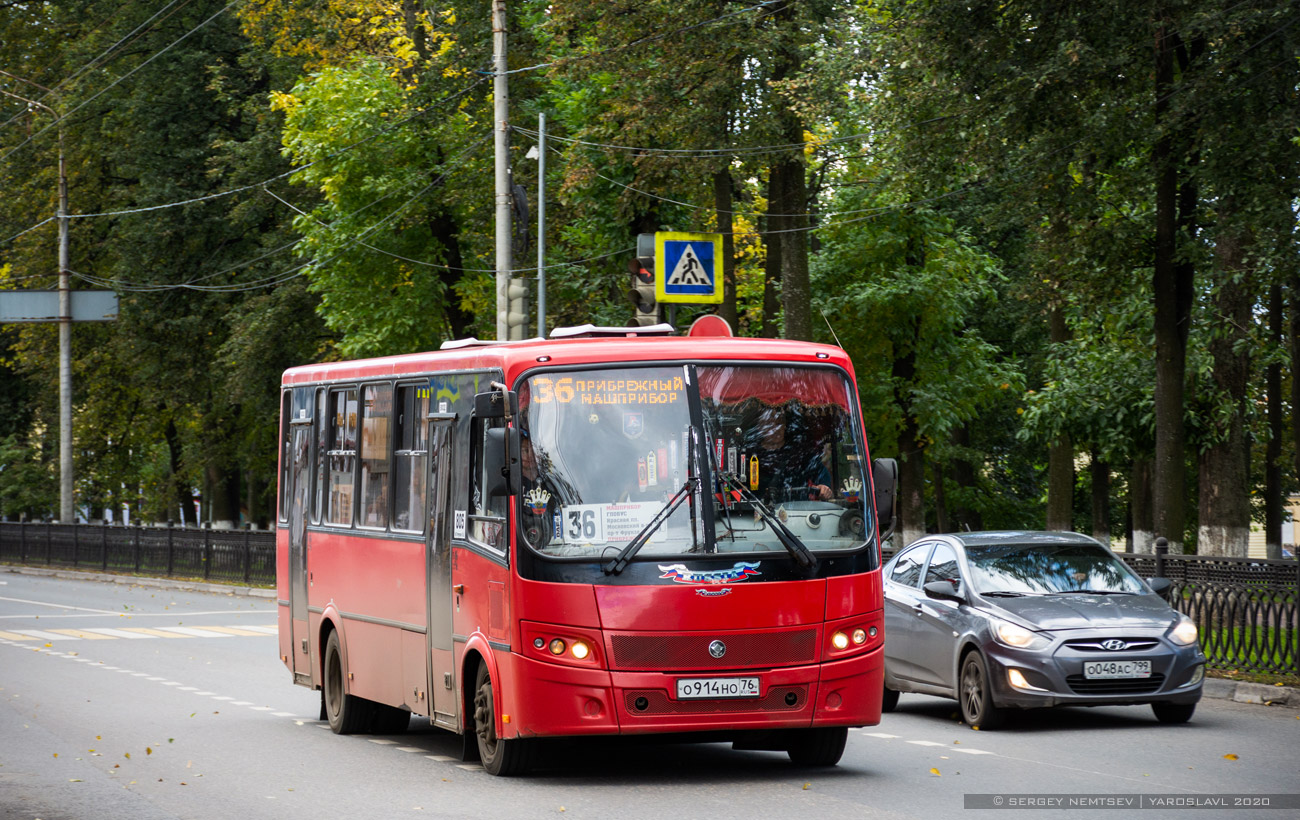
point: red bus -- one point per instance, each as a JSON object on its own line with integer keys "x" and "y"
{"x": 616, "y": 531}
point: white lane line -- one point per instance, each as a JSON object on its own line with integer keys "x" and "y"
{"x": 146, "y": 674}
{"x": 188, "y": 689}
{"x": 192, "y": 632}
{"x": 284, "y": 714}
{"x": 171, "y": 683}
{"x": 222, "y": 697}
{"x": 925, "y": 743}
{"x": 382, "y": 741}
{"x": 409, "y": 749}
{"x": 440, "y": 758}
{"x": 121, "y": 633}
{"x": 241, "y": 703}
{"x": 471, "y": 767}
{"x": 880, "y": 734}
{"x": 204, "y": 694}
{"x": 263, "y": 708}
{"x": 59, "y": 606}
{"x": 973, "y": 751}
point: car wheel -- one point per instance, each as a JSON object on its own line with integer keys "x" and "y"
{"x": 889, "y": 701}
{"x": 346, "y": 713}
{"x": 499, "y": 756}
{"x": 818, "y": 747}
{"x": 1173, "y": 712}
{"x": 975, "y": 695}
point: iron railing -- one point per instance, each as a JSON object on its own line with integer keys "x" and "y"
{"x": 1247, "y": 609}
{"x": 240, "y": 556}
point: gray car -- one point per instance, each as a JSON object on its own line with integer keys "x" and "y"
{"x": 1001, "y": 620}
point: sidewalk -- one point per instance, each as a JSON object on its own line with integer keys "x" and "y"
{"x": 1239, "y": 691}
{"x": 140, "y": 581}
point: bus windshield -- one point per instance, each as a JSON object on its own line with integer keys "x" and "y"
{"x": 605, "y": 451}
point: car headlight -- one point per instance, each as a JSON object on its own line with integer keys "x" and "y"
{"x": 1185, "y": 633}
{"x": 1017, "y": 636}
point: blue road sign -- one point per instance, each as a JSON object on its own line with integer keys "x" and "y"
{"x": 688, "y": 267}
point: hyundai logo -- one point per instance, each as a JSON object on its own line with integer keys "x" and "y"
{"x": 1114, "y": 645}
{"x": 717, "y": 649}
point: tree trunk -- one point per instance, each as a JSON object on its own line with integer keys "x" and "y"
{"x": 722, "y": 202}
{"x": 911, "y": 482}
{"x": 772, "y": 262}
{"x": 1172, "y": 282}
{"x": 1060, "y": 454}
{"x": 964, "y": 517}
{"x": 1273, "y": 452}
{"x": 1224, "y": 527}
{"x": 796, "y": 295}
{"x": 940, "y": 500}
{"x": 1100, "y": 472}
{"x": 1139, "y": 502}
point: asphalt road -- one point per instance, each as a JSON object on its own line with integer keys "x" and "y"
{"x": 143, "y": 703}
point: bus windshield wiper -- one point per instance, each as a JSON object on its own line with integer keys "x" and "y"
{"x": 638, "y": 541}
{"x": 801, "y": 554}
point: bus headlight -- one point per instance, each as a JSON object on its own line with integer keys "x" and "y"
{"x": 839, "y": 640}
{"x": 580, "y": 650}
{"x": 557, "y": 646}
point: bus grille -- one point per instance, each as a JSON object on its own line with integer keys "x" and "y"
{"x": 684, "y": 653}
{"x": 658, "y": 702}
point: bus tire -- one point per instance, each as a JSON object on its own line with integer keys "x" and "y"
{"x": 346, "y": 713}
{"x": 889, "y": 700}
{"x": 501, "y": 757}
{"x": 818, "y": 747}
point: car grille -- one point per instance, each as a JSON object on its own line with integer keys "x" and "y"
{"x": 1122, "y": 686}
{"x": 1095, "y": 645}
{"x": 745, "y": 650}
{"x": 658, "y": 702}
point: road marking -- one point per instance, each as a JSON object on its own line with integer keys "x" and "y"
{"x": 925, "y": 743}
{"x": 192, "y": 632}
{"x": 14, "y": 636}
{"x": 440, "y": 758}
{"x": 973, "y": 751}
{"x": 231, "y": 630}
{"x": 120, "y": 633}
{"x": 409, "y": 749}
{"x": 382, "y": 741}
{"x": 879, "y": 734}
{"x": 45, "y": 636}
{"x": 81, "y": 633}
{"x": 59, "y": 606}
{"x": 144, "y": 630}
{"x": 265, "y": 630}
{"x": 471, "y": 767}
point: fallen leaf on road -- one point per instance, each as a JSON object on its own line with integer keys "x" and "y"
{"x": 1229, "y": 756}
{"x": 935, "y": 772}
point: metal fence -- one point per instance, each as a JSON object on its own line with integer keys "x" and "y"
{"x": 1246, "y": 608}
{"x": 241, "y": 556}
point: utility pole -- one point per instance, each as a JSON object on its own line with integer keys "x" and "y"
{"x": 67, "y": 513}
{"x": 541, "y": 225}
{"x": 501, "y": 122}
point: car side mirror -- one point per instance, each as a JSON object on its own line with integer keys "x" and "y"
{"x": 884, "y": 478}
{"x": 943, "y": 591}
{"x": 1160, "y": 586}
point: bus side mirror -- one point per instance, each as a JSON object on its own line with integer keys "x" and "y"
{"x": 500, "y": 457}
{"x": 492, "y": 405}
{"x": 884, "y": 478}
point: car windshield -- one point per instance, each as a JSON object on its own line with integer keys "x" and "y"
{"x": 1050, "y": 569}
{"x": 604, "y": 452}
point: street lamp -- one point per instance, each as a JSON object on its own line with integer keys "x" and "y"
{"x": 66, "y": 505}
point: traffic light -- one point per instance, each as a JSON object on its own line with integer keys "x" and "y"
{"x": 642, "y": 293}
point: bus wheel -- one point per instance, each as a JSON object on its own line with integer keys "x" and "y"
{"x": 346, "y": 713}
{"x": 889, "y": 701}
{"x": 499, "y": 757}
{"x": 818, "y": 747}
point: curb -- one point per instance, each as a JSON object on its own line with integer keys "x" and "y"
{"x": 1247, "y": 692}
{"x": 141, "y": 581}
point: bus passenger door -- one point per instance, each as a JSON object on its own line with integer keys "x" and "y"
{"x": 298, "y": 501}
{"x": 442, "y": 673}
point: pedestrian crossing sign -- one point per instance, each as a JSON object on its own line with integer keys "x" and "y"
{"x": 688, "y": 267}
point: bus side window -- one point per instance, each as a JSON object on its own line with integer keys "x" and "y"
{"x": 488, "y": 516}
{"x": 286, "y": 454}
{"x": 342, "y": 456}
{"x": 376, "y": 453}
{"x": 411, "y": 458}
{"x": 321, "y": 479}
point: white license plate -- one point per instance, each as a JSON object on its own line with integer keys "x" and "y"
{"x": 1100, "y": 670}
{"x": 707, "y": 688}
